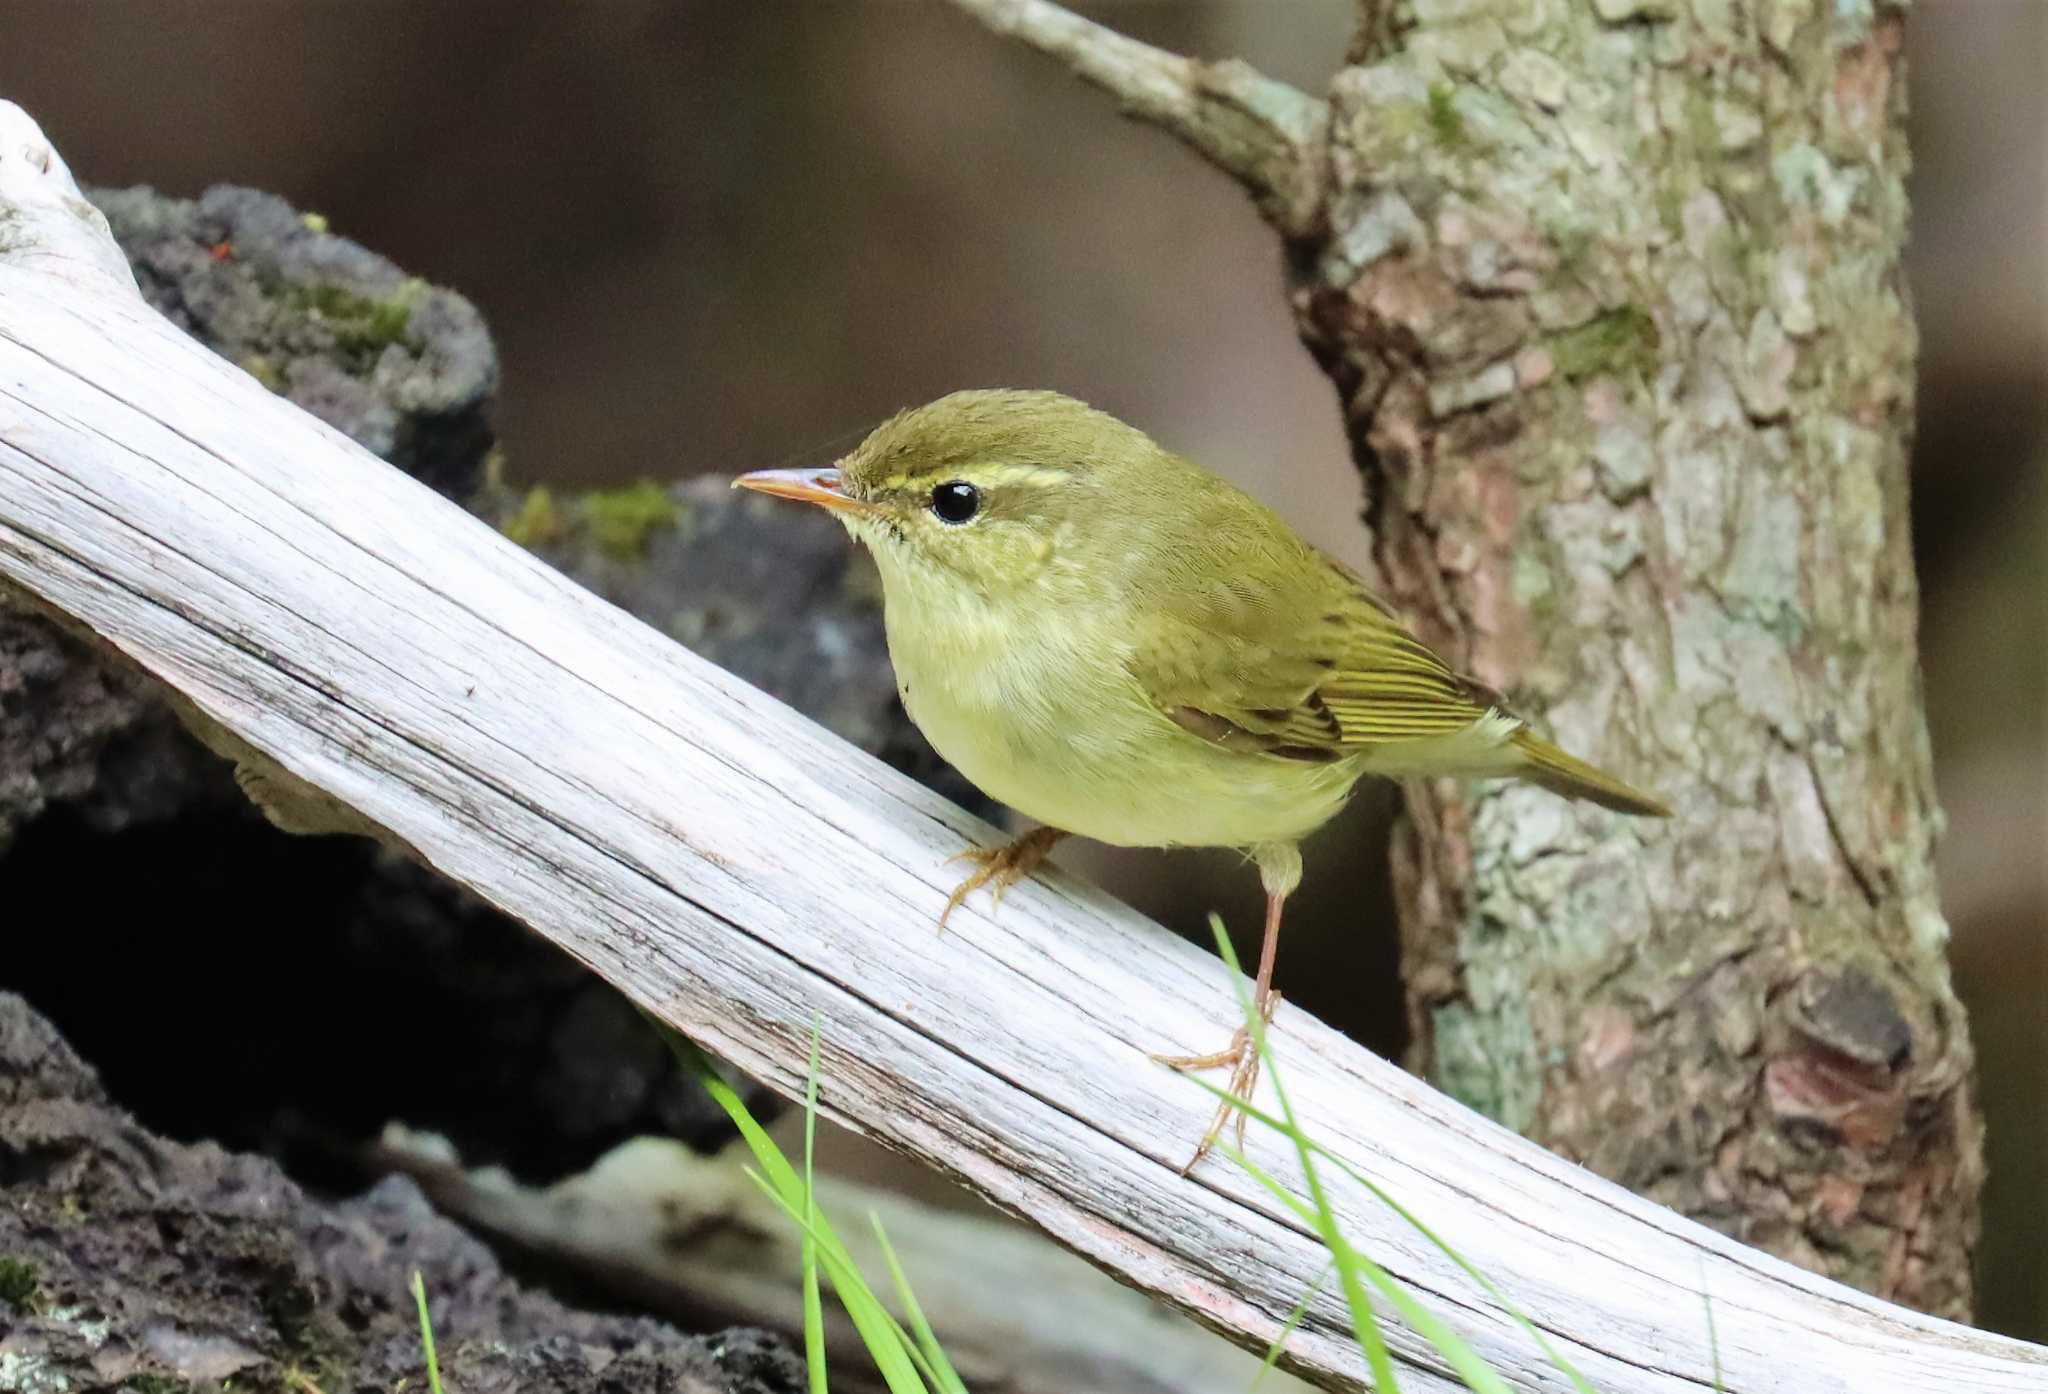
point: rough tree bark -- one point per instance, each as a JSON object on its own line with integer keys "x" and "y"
{"x": 1611, "y": 292}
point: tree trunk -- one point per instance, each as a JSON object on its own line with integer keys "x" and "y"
{"x": 1612, "y": 293}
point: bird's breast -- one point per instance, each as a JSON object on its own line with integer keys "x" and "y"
{"x": 1039, "y": 711}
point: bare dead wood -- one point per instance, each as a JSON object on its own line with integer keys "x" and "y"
{"x": 743, "y": 874}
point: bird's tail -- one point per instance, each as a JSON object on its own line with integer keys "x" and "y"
{"x": 1563, "y": 774}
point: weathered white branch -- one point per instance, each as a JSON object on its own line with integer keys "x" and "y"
{"x": 1262, "y": 132}
{"x": 46, "y": 224}
{"x": 744, "y": 874}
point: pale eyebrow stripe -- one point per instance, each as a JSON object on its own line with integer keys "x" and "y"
{"x": 1028, "y": 474}
{"x": 994, "y": 476}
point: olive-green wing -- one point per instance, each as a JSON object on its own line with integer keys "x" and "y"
{"x": 1313, "y": 669}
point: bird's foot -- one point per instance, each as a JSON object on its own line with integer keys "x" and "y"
{"x": 1002, "y": 867}
{"x": 1243, "y": 1061}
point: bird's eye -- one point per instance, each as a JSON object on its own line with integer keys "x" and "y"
{"x": 956, "y": 501}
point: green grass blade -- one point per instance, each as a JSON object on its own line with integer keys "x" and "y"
{"x": 1470, "y": 1365}
{"x": 419, "y": 1297}
{"x": 1713, "y": 1338}
{"x": 814, "y": 1304}
{"x": 698, "y": 1066}
{"x": 902, "y": 1365}
{"x": 1365, "y": 1325}
{"x": 946, "y": 1377}
{"x": 1287, "y": 1328}
{"x": 886, "y": 1344}
{"x": 1485, "y": 1284}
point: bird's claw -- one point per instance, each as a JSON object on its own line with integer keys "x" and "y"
{"x": 1243, "y": 1060}
{"x": 1005, "y": 866}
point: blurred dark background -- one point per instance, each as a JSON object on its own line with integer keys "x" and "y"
{"x": 713, "y": 236}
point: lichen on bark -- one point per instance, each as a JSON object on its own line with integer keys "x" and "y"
{"x": 1613, "y": 297}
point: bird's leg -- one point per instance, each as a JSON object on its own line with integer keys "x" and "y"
{"x": 1240, "y": 1055}
{"x": 1280, "y": 872}
{"x": 1005, "y": 866}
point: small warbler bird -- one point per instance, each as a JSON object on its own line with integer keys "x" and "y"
{"x": 1116, "y": 643}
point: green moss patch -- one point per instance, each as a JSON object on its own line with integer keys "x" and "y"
{"x": 1613, "y": 344}
{"x": 359, "y": 323}
{"x": 156, "y": 1384}
{"x": 620, "y": 521}
{"x": 537, "y": 521}
{"x": 617, "y": 522}
{"x": 1445, "y": 122}
{"x": 18, "y": 1281}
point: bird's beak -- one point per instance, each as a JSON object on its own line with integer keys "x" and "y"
{"x": 820, "y": 486}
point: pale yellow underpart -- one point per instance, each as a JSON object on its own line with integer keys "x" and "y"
{"x": 1045, "y": 718}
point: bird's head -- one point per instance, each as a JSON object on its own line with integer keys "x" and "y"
{"x": 990, "y": 492}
